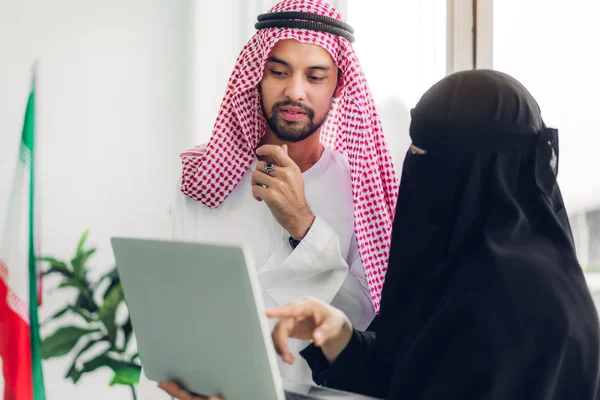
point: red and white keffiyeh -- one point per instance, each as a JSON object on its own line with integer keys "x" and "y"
{"x": 210, "y": 173}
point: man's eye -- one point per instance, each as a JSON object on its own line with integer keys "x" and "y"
{"x": 277, "y": 73}
{"x": 316, "y": 78}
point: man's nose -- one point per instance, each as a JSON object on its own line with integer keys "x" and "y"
{"x": 296, "y": 88}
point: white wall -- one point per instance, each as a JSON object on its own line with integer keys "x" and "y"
{"x": 114, "y": 110}
{"x": 221, "y": 29}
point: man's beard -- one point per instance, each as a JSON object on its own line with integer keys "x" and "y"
{"x": 288, "y": 131}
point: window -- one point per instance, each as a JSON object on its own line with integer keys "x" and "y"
{"x": 552, "y": 48}
{"x": 402, "y": 49}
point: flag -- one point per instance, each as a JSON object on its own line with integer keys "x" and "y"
{"x": 19, "y": 277}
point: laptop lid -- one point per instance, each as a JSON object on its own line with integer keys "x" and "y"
{"x": 210, "y": 290}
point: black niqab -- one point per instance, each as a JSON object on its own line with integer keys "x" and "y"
{"x": 481, "y": 236}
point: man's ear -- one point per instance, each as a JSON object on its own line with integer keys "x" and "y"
{"x": 340, "y": 85}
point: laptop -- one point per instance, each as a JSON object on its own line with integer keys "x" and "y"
{"x": 199, "y": 319}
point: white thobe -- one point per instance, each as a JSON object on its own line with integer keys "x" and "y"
{"x": 326, "y": 264}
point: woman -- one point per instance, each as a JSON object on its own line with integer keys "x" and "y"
{"x": 484, "y": 297}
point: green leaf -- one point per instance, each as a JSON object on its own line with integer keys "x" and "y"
{"x": 74, "y": 373}
{"x": 85, "y": 256}
{"x": 86, "y": 302}
{"x": 54, "y": 262}
{"x": 127, "y": 331}
{"x": 56, "y": 266}
{"x": 76, "y": 283}
{"x": 105, "y": 360}
{"x": 58, "y": 314}
{"x": 81, "y": 243}
{"x": 112, "y": 275}
{"x": 53, "y": 270}
{"x": 78, "y": 263}
{"x": 63, "y": 340}
{"x": 129, "y": 376}
{"x": 108, "y": 309}
{"x": 88, "y": 317}
{"x": 114, "y": 281}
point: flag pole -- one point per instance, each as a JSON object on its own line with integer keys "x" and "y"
{"x": 36, "y": 357}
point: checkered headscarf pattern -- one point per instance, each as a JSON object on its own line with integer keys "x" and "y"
{"x": 211, "y": 172}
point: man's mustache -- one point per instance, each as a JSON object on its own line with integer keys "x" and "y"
{"x": 308, "y": 111}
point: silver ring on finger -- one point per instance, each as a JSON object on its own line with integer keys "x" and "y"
{"x": 269, "y": 167}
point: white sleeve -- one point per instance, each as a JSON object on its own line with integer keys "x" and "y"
{"x": 354, "y": 297}
{"x": 317, "y": 268}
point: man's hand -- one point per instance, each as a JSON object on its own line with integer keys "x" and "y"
{"x": 174, "y": 390}
{"x": 311, "y": 319}
{"x": 282, "y": 190}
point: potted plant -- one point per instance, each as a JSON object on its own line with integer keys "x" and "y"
{"x": 99, "y": 339}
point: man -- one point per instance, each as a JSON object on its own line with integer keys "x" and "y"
{"x": 297, "y": 168}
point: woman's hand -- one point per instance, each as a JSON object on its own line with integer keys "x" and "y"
{"x": 311, "y": 319}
